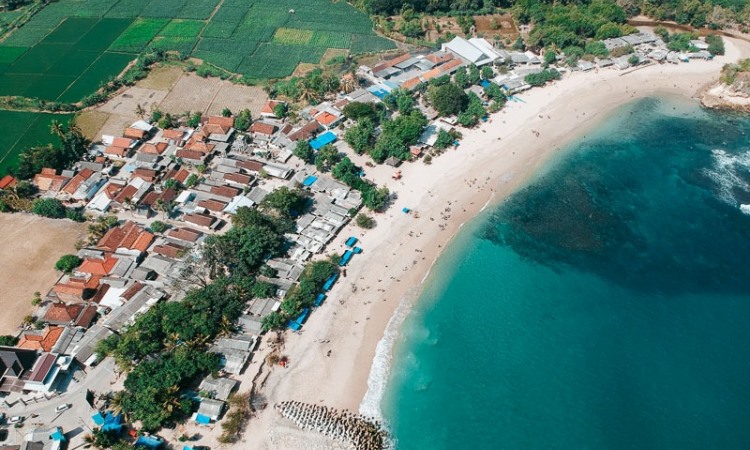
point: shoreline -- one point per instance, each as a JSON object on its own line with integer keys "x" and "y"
{"x": 495, "y": 160}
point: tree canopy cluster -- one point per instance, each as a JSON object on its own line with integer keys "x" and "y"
{"x": 167, "y": 347}
{"x": 344, "y": 170}
{"x": 311, "y": 88}
{"x": 302, "y": 295}
{"x": 72, "y": 146}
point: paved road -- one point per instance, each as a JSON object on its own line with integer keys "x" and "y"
{"x": 77, "y": 418}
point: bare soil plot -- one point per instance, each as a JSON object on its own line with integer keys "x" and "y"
{"x": 211, "y": 95}
{"x": 29, "y": 248}
{"x": 90, "y": 122}
{"x": 161, "y": 78}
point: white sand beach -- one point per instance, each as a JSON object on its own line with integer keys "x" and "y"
{"x": 490, "y": 163}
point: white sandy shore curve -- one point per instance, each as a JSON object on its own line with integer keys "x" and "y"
{"x": 490, "y": 163}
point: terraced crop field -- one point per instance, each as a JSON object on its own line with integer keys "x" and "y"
{"x": 70, "y": 47}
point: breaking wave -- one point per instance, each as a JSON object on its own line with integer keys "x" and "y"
{"x": 730, "y": 174}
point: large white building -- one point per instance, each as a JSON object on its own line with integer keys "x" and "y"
{"x": 475, "y": 51}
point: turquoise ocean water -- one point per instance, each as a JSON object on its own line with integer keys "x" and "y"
{"x": 605, "y": 306}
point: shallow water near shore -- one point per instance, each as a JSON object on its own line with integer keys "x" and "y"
{"x": 604, "y": 306}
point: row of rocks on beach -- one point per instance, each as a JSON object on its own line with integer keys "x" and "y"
{"x": 361, "y": 432}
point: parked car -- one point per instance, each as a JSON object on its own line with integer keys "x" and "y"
{"x": 63, "y": 407}
{"x": 16, "y": 419}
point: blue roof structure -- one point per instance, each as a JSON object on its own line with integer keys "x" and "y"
{"x": 357, "y": 250}
{"x": 309, "y": 180}
{"x": 351, "y": 241}
{"x": 323, "y": 139}
{"x": 377, "y": 92}
{"x": 57, "y": 436}
{"x": 149, "y": 442}
{"x": 346, "y": 257}
{"x": 485, "y": 83}
{"x": 296, "y": 324}
{"x": 98, "y": 418}
{"x": 319, "y": 299}
{"x": 203, "y": 420}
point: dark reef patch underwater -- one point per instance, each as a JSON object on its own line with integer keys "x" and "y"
{"x": 604, "y": 306}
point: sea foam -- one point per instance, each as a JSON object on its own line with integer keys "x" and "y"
{"x": 381, "y": 363}
{"x": 725, "y": 173}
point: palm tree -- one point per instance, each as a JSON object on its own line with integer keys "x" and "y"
{"x": 307, "y": 92}
{"x": 89, "y": 440}
{"x": 171, "y": 401}
{"x": 56, "y": 128}
{"x": 172, "y": 341}
{"x": 349, "y": 82}
{"x": 140, "y": 111}
{"x": 114, "y": 403}
{"x": 225, "y": 327}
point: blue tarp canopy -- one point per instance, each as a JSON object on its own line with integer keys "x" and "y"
{"x": 319, "y": 299}
{"x": 303, "y": 316}
{"x": 485, "y": 83}
{"x": 323, "y": 139}
{"x": 357, "y": 250}
{"x": 203, "y": 420}
{"x": 345, "y": 259}
{"x": 296, "y": 324}
{"x": 330, "y": 281}
{"x": 57, "y": 436}
{"x": 309, "y": 180}
{"x": 148, "y": 441}
{"x": 98, "y": 418}
{"x": 112, "y": 422}
{"x": 351, "y": 241}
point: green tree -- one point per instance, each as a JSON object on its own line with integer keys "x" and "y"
{"x": 304, "y": 151}
{"x": 359, "y": 110}
{"x": 280, "y": 110}
{"x": 360, "y": 137}
{"x": 327, "y": 157}
{"x": 195, "y": 119}
{"x": 48, "y": 207}
{"x": 596, "y": 48}
{"x": 67, "y": 263}
{"x": 715, "y": 44}
{"x": 487, "y": 72}
{"x": 376, "y": 199}
{"x": 364, "y": 221}
{"x": 389, "y": 145}
{"x": 8, "y": 340}
{"x": 474, "y": 75}
{"x": 243, "y": 120}
{"x": 461, "y": 78}
{"x": 226, "y": 112}
{"x": 158, "y": 226}
{"x": 444, "y": 140}
{"x": 448, "y": 99}
{"x": 289, "y": 202}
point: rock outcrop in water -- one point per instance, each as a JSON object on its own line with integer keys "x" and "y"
{"x": 361, "y": 432}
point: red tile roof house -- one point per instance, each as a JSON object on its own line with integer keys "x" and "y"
{"x": 213, "y": 205}
{"x": 42, "y": 340}
{"x": 170, "y": 250}
{"x": 7, "y": 182}
{"x": 121, "y": 148}
{"x": 128, "y": 239}
{"x": 268, "y": 108}
{"x": 154, "y": 149}
{"x": 135, "y": 133}
{"x": 79, "y": 314}
{"x": 191, "y": 156}
{"x": 202, "y": 220}
{"x": 227, "y": 192}
{"x": 75, "y": 288}
{"x": 48, "y": 180}
{"x": 149, "y": 175}
{"x": 77, "y": 181}
{"x": 263, "y": 129}
{"x": 98, "y": 266}
{"x": 174, "y": 136}
{"x": 185, "y": 234}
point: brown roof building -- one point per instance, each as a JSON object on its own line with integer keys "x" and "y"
{"x": 185, "y": 234}
{"x": 77, "y": 181}
{"x": 134, "y": 133}
{"x": 170, "y": 250}
{"x": 79, "y": 314}
{"x": 48, "y": 180}
{"x": 212, "y": 205}
{"x": 129, "y": 236}
{"x": 225, "y": 122}
{"x": 225, "y": 191}
{"x": 265, "y": 129}
{"x": 42, "y": 340}
{"x": 202, "y": 220}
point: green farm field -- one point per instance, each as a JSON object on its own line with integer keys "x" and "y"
{"x": 60, "y": 53}
{"x": 24, "y": 130}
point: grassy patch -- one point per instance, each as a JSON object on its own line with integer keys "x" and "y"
{"x": 292, "y": 36}
{"x": 138, "y": 35}
{"x": 183, "y": 28}
{"x": 10, "y": 54}
{"x": 28, "y": 130}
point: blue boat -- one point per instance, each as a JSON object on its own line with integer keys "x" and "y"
{"x": 357, "y": 250}
{"x": 319, "y": 300}
{"x": 351, "y": 241}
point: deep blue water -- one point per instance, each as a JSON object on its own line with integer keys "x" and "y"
{"x": 604, "y": 306}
